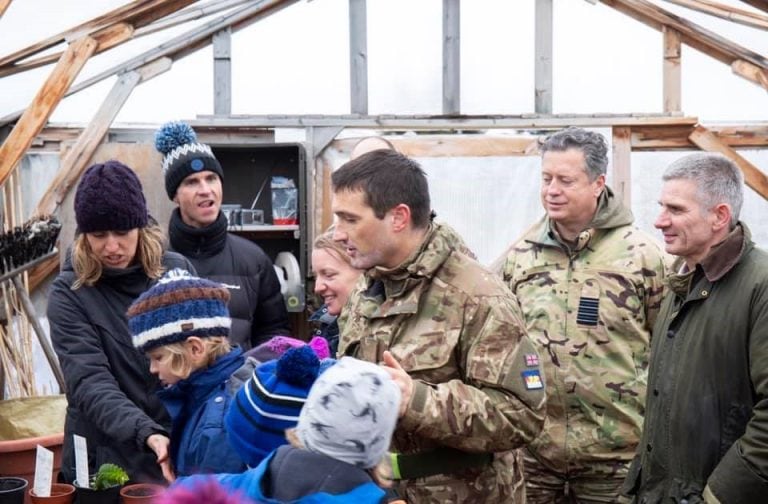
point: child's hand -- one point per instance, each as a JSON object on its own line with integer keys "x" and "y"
{"x": 401, "y": 378}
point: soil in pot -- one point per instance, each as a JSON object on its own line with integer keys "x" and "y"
{"x": 12, "y": 490}
{"x": 61, "y": 493}
{"x": 140, "y": 493}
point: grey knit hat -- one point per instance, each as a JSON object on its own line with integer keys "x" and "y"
{"x": 350, "y": 413}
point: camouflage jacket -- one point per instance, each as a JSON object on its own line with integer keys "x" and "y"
{"x": 459, "y": 333}
{"x": 590, "y": 310}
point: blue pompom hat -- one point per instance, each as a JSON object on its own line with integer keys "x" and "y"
{"x": 178, "y": 306}
{"x": 270, "y": 402}
{"x": 183, "y": 155}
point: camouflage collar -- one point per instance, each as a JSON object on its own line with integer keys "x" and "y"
{"x": 610, "y": 213}
{"x": 421, "y": 265}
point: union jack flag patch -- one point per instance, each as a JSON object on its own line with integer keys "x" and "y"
{"x": 531, "y": 360}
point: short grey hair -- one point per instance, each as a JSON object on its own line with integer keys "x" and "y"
{"x": 717, "y": 178}
{"x": 591, "y": 144}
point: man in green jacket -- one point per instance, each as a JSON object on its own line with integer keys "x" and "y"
{"x": 448, "y": 331}
{"x": 590, "y": 285}
{"x": 705, "y": 437}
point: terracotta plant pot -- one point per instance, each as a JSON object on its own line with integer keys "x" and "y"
{"x": 61, "y": 493}
{"x": 140, "y": 493}
{"x": 17, "y": 457}
{"x": 12, "y": 490}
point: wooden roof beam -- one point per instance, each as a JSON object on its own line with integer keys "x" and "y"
{"x": 727, "y": 12}
{"x": 48, "y": 97}
{"x": 138, "y": 13}
{"x": 3, "y": 6}
{"x": 76, "y": 159}
{"x": 692, "y": 34}
{"x": 758, "y": 4}
{"x": 182, "y": 45}
{"x": 753, "y": 177}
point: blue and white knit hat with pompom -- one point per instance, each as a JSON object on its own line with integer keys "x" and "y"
{"x": 270, "y": 402}
{"x": 178, "y": 306}
{"x": 183, "y": 155}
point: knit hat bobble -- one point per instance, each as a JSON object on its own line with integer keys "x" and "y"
{"x": 178, "y": 306}
{"x": 270, "y": 402}
{"x": 183, "y": 155}
{"x": 109, "y": 197}
{"x": 351, "y": 413}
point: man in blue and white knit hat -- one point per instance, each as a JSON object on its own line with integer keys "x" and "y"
{"x": 198, "y": 229}
{"x": 182, "y": 324}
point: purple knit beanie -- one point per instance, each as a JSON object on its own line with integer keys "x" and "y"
{"x": 110, "y": 198}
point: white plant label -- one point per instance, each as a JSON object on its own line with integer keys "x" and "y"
{"x": 81, "y": 461}
{"x": 43, "y": 472}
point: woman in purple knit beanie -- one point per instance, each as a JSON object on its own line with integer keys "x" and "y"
{"x": 117, "y": 254}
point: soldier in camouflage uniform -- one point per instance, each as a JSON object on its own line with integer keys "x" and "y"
{"x": 590, "y": 286}
{"x": 448, "y": 331}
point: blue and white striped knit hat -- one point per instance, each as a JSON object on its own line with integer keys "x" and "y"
{"x": 178, "y": 306}
{"x": 270, "y": 402}
{"x": 183, "y": 155}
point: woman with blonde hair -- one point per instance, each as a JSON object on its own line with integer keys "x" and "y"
{"x": 335, "y": 277}
{"x": 117, "y": 254}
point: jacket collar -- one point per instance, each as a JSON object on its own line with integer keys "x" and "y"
{"x": 610, "y": 213}
{"x": 195, "y": 388}
{"x": 197, "y": 242}
{"x": 726, "y": 254}
{"x": 398, "y": 290}
{"x": 720, "y": 260}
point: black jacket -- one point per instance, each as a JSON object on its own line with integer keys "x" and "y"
{"x": 110, "y": 391}
{"x": 256, "y": 305}
{"x": 706, "y": 420}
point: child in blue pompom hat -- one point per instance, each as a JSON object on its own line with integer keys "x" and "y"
{"x": 182, "y": 324}
{"x": 338, "y": 449}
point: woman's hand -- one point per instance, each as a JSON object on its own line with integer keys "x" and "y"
{"x": 159, "y": 444}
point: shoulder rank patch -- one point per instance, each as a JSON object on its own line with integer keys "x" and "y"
{"x": 532, "y": 379}
{"x": 531, "y": 360}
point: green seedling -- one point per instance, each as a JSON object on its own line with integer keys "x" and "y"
{"x": 109, "y": 475}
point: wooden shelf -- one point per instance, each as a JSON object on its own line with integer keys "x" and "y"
{"x": 263, "y": 227}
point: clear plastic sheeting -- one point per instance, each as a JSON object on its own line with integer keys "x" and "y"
{"x": 490, "y": 201}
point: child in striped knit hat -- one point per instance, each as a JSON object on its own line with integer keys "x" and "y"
{"x": 182, "y": 324}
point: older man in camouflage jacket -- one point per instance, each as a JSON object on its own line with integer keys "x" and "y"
{"x": 590, "y": 286}
{"x": 448, "y": 331}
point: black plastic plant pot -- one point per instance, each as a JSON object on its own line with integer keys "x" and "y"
{"x": 109, "y": 495}
{"x": 12, "y": 490}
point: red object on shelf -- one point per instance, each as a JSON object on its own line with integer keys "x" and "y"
{"x": 292, "y": 221}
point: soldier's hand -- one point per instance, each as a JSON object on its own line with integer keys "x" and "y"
{"x": 401, "y": 378}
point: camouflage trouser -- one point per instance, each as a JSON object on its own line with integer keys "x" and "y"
{"x": 542, "y": 486}
{"x": 507, "y": 488}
